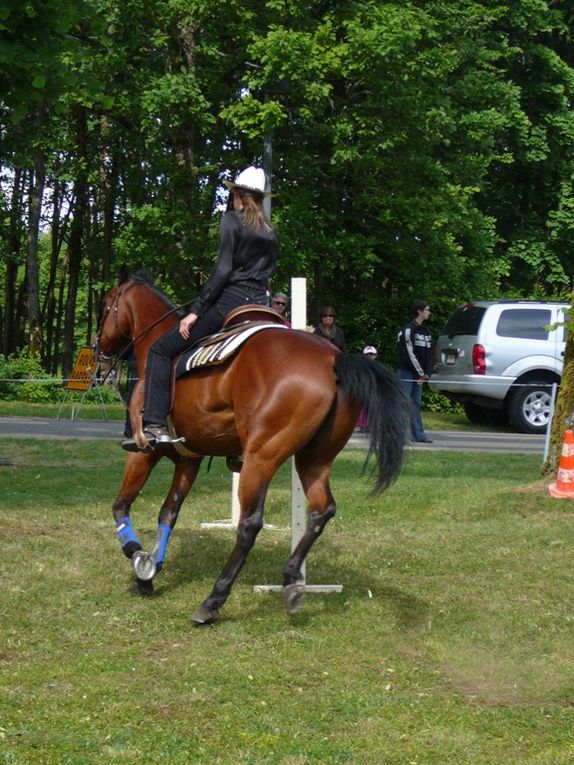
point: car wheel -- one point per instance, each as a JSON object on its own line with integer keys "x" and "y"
{"x": 529, "y": 408}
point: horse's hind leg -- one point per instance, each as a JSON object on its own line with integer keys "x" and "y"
{"x": 147, "y": 565}
{"x": 252, "y": 491}
{"x": 315, "y": 480}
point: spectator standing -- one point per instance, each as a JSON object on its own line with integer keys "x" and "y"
{"x": 370, "y": 352}
{"x": 279, "y": 302}
{"x": 416, "y": 363}
{"x": 329, "y": 330}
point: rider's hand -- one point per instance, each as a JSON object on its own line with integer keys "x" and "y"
{"x": 186, "y": 324}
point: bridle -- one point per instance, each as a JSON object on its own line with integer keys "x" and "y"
{"x": 114, "y": 309}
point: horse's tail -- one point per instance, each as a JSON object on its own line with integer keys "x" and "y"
{"x": 380, "y": 392}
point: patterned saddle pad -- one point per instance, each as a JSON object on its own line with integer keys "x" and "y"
{"x": 217, "y": 348}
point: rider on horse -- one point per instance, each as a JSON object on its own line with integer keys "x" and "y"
{"x": 248, "y": 252}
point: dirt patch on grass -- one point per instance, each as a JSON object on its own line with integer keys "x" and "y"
{"x": 538, "y": 487}
{"x": 493, "y": 682}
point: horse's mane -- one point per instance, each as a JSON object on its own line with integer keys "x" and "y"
{"x": 147, "y": 279}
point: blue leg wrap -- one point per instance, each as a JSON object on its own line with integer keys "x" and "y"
{"x": 160, "y": 544}
{"x": 125, "y": 531}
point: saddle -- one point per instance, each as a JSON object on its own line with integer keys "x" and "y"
{"x": 240, "y": 324}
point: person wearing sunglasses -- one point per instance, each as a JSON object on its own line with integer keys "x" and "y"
{"x": 279, "y": 302}
{"x": 329, "y": 330}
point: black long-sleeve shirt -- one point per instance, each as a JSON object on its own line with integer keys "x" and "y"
{"x": 415, "y": 350}
{"x": 337, "y": 338}
{"x": 245, "y": 255}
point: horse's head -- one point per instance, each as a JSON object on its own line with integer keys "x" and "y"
{"x": 115, "y": 328}
{"x": 135, "y": 311}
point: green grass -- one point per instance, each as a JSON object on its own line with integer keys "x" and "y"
{"x": 88, "y": 411}
{"x": 452, "y": 641}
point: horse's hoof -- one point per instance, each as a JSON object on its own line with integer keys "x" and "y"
{"x": 143, "y": 565}
{"x": 141, "y": 588}
{"x": 204, "y": 616}
{"x": 294, "y": 597}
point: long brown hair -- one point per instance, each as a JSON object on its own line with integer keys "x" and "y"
{"x": 253, "y": 215}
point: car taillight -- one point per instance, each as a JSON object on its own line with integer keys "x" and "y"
{"x": 478, "y": 359}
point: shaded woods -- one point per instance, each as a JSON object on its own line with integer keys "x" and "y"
{"x": 418, "y": 149}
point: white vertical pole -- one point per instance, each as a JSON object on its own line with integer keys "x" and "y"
{"x": 298, "y": 501}
{"x": 235, "y": 506}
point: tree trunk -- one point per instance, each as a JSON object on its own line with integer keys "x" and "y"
{"x": 49, "y": 308}
{"x": 110, "y": 181}
{"x": 564, "y": 411}
{"x": 75, "y": 245}
{"x": 59, "y": 314}
{"x": 33, "y": 268}
{"x": 21, "y": 312}
{"x": 9, "y": 337}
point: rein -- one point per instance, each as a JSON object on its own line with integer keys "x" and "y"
{"x": 132, "y": 341}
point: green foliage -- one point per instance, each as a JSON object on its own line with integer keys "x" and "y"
{"x": 23, "y": 379}
{"x": 434, "y": 401}
{"x": 419, "y": 149}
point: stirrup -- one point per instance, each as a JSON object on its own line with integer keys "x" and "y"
{"x": 159, "y": 435}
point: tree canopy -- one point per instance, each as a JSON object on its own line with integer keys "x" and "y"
{"x": 421, "y": 148}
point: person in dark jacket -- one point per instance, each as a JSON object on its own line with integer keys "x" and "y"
{"x": 329, "y": 330}
{"x": 248, "y": 252}
{"x": 416, "y": 363}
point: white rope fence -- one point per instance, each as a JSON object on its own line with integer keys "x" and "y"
{"x": 62, "y": 380}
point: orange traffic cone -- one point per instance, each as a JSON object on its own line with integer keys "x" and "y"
{"x": 564, "y": 486}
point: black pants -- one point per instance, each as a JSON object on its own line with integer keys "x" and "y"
{"x": 157, "y": 393}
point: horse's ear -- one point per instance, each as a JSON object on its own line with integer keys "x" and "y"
{"x": 146, "y": 276}
{"x": 123, "y": 274}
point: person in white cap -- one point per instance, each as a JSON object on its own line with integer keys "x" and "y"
{"x": 248, "y": 252}
{"x": 362, "y": 423}
{"x": 370, "y": 352}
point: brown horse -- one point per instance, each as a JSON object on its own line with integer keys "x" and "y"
{"x": 285, "y": 393}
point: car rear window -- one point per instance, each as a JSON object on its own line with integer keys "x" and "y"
{"x": 525, "y": 323}
{"x": 465, "y": 320}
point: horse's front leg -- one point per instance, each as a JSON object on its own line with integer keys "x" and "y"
{"x": 136, "y": 472}
{"x": 252, "y": 491}
{"x": 147, "y": 565}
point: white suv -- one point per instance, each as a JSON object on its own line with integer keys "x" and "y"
{"x": 500, "y": 359}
